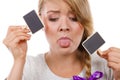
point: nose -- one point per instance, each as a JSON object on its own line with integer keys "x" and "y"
{"x": 64, "y": 27}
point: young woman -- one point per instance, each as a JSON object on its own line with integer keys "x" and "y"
{"x": 67, "y": 24}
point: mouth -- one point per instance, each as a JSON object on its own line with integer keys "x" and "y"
{"x": 64, "y": 42}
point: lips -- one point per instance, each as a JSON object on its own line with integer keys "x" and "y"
{"x": 64, "y": 42}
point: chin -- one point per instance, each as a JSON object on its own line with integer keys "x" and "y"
{"x": 66, "y": 50}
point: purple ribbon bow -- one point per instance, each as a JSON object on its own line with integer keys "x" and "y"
{"x": 94, "y": 76}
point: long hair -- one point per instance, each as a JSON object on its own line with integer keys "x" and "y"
{"x": 81, "y": 9}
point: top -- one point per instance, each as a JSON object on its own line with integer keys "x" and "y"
{"x": 36, "y": 68}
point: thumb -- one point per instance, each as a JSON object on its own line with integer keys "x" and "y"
{"x": 103, "y": 54}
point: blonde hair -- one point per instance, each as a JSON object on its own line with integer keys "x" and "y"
{"x": 82, "y": 11}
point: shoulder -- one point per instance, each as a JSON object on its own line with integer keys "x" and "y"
{"x": 100, "y": 64}
{"x": 95, "y": 58}
{"x": 34, "y": 61}
{"x": 32, "y": 65}
{"x": 35, "y": 58}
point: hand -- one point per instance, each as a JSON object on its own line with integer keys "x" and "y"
{"x": 112, "y": 55}
{"x": 16, "y": 41}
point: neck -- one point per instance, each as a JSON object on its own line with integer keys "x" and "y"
{"x": 69, "y": 63}
{"x": 63, "y": 57}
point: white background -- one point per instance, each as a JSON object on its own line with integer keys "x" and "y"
{"x": 106, "y": 17}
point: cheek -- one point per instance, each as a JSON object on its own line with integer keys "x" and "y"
{"x": 79, "y": 29}
{"x": 78, "y": 32}
{"x": 51, "y": 32}
{"x": 50, "y": 29}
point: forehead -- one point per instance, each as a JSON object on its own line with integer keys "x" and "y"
{"x": 60, "y": 5}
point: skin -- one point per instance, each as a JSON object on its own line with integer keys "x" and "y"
{"x": 16, "y": 41}
{"x": 112, "y": 55}
{"x": 59, "y": 22}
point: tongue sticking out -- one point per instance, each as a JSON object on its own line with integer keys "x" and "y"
{"x": 64, "y": 43}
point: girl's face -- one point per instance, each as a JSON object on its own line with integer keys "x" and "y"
{"x": 63, "y": 31}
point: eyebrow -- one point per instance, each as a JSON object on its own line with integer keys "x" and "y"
{"x": 53, "y": 11}
{"x": 58, "y": 11}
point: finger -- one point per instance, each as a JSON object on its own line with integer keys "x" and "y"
{"x": 21, "y": 35}
{"x": 103, "y": 54}
{"x": 17, "y": 32}
{"x": 115, "y": 49}
{"x": 16, "y": 41}
{"x": 13, "y": 28}
{"x": 114, "y": 54}
{"x": 24, "y": 27}
{"x": 114, "y": 66}
{"x": 20, "y": 38}
{"x": 12, "y": 36}
{"x": 25, "y": 30}
{"x": 99, "y": 52}
{"x": 113, "y": 59}
{"x": 13, "y": 32}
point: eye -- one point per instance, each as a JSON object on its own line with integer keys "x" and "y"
{"x": 53, "y": 19}
{"x": 73, "y": 19}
